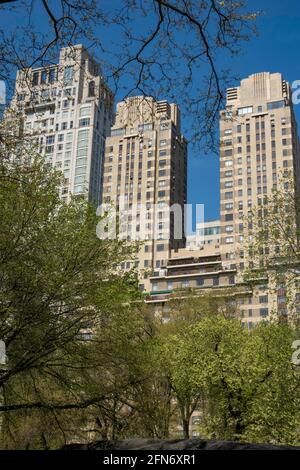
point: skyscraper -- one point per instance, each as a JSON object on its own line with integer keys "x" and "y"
{"x": 67, "y": 110}
{"x": 259, "y": 140}
{"x": 145, "y": 173}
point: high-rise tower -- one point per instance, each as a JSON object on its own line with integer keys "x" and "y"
{"x": 145, "y": 173}
{"x": 258, "y": 141}
{"x": 67, "y": 110}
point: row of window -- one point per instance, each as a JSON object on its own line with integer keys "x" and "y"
{"x": 185, "y": 283}
{"x": 45, "y": 76}
{"x": 239, "y": 127}
{"x": 263, "y": 312}
{"x": 272, "y": 105}
{"x": 110, "y": 149}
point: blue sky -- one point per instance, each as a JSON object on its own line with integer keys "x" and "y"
{"x": 276, "y": 49}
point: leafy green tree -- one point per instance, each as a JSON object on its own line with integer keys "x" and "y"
{"x": 248, "y": 386}
{"x": 176, "y": 361}
{"x": 59, "y": 283}
{"x": 273, "y": 242}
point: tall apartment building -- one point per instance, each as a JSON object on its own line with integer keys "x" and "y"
{"x": 207, "y": 233}
{"x": 258, "y": 141}
{"x": 145, "y": 173}
{"x": 67, "y": 110}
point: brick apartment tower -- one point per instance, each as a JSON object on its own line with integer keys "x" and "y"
{"x": 145, "y": 169}
{"x": 259, "y": 140}
{"x": 67, "y": 111}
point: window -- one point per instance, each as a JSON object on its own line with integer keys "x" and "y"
{"x": 275, "y": 105}
{"x": 85, "y": 111}
{"x": 52, "y": 75}
{"x": 35, "y": 78}
{"x": 281, "y": 299}
{"x": 160, "y": 247}
{"x": 263, "y": 299}
{"x": 245, "y": 110}
{"x": 68, "y": 75}
{"x": 170, "y": 285}
{"x": 229, "y": 195}
{"x": 228, "y": 162}
{"x": 200, "y": 281}
{"x": 84, "y": 122}
{"x": 45, "y": 94}
{"x": 92, "y": 88}
{"x": 263, "y": 312}
{"x": 229, "y": 240}
{"x": 185, "y": 283}
{"x": 50, "y": 139}
{"x": 215, "y": 281}
{"x": 44, "y": 76}
{"x": 196, "y": 420}
{"x": 119, "y": 131}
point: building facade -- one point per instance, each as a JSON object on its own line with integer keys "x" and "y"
{"x": 145, "y": 179}
{"x": 67, "y": 111}
{"x": 198, "y": 273}
{"x": 259, "y": 141}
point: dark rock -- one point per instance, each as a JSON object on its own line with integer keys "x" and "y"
{"x": 175, "y": 444}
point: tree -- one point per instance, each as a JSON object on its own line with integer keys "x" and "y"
{"x": 273, "y": 242}
{"x": 145, "y": 47}
{"x": 248, "y": 386}
{"x": 176, "y": 360}
{"x": 59, "y": 283}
